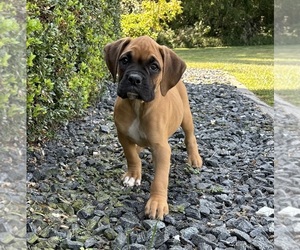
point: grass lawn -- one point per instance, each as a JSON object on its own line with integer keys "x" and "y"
{"x": 287, "y": 73}
{"x": 250, "y": 65}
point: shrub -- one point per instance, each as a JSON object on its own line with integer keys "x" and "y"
{"x": 65, "y": 41}
{"x": 12, "y": 72}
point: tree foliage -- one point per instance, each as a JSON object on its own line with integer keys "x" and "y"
{"x": 148, "y": 17}
{"x": 234, "y": 22}
{"x": 201, "y": 23}
{"x": 287, "y": 22}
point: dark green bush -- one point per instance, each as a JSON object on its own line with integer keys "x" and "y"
{"x": 65, "y": 41}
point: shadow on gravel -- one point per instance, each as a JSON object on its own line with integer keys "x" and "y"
{"x": 76, "y": 199}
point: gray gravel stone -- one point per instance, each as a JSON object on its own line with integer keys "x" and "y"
{"x": 151, "y": 224}
{"x": 241, "y": 245}
{"x": 170, "y": 219}
{"x": 6, "y": 238}
{"x": 230, "y": 241}
{"x": 90, "y": 242}
{"x": 160, "y": 238}
{"x": 198, "y": 239}
{"x": 204, "y": 210}
{"x": 177, "y": 248}
{"x": 129, "y": 220}
{"x": 193, "y": 213}
{"x": 110, "y": 234}
{"x": 221, "y": 232}
{"x": 262, "y": 243}
{"x": 104, "y": 129}
{"x": 244, "y": 225}
{"x": 119, "y": 241}
{"x": 241, "y": 235}
{"x": 86, "y": 212}
{"x": 70, "y": 244}
{"x": 187, "y": 233}
{"x": 284, "y": 242}
{"x": 204, "y": 246}
{"x": 137, "y": 246}
{"x": 265, "y": 211}
{"x": 289, "y": 211}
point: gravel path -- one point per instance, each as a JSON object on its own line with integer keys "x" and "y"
{"x": 287, "y": 175}
{"x": 76, "y": 199}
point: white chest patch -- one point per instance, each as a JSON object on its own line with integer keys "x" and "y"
{"x": 135, "y": 132}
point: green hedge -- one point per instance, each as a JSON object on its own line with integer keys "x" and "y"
{"x": 12, "y": 71}
{"x": 65, "y": 41}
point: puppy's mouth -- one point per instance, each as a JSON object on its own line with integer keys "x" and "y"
{"x": 132, "y": 96}
{"x": 144, "y": 91}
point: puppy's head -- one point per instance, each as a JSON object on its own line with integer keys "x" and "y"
{"x": 143, "y": 67}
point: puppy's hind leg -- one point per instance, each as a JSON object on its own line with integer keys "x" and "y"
{"x": 194, "y": 159}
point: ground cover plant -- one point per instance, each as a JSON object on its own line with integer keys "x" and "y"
{"x": 251, "y": 65}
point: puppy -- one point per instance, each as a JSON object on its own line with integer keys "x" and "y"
{"x": 152, "y": 104}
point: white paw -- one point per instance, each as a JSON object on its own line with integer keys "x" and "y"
{"x": 130, "y": 181}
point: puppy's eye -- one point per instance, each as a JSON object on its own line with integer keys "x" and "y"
{"x": 124, "y": 60}
{"x": 154, "y": 67}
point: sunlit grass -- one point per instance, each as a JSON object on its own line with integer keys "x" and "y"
{"x": 287, "y": 73}
{"x": 250, "y": 65}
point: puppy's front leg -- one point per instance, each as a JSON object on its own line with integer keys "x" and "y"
{"x": 133, "y": 175}
{"x": 157, "y": 205}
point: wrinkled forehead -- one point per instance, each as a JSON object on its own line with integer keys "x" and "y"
{"x": 143, "y": 49}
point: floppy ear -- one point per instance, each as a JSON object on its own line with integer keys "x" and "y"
{"x": 112, "y": 53}
{"x": 173, "y": 68}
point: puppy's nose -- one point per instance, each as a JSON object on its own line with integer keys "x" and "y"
{"x": 135, "y": 79}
